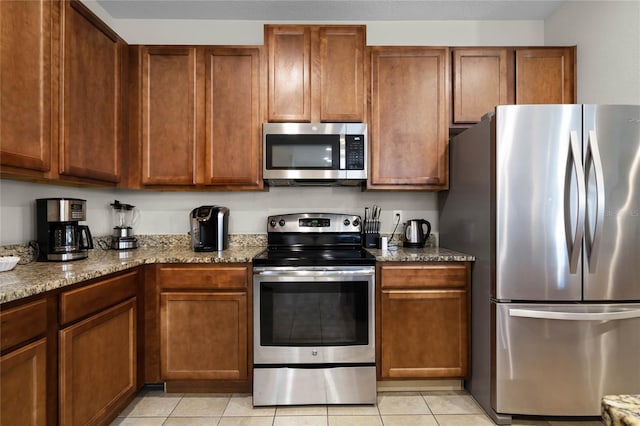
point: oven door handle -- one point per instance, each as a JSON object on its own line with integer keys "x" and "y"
{"x": 325, "y": 272}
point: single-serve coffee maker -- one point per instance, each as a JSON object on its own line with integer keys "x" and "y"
{"x": 59, "y": 235}
{"x": 209, "y": 228}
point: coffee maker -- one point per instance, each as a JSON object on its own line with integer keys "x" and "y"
{"x": 209, "y": 228}
{"x": 59, "y": 236}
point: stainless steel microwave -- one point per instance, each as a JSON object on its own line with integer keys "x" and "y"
{"x": 299, "y": 154}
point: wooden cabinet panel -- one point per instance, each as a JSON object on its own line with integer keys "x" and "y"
{"x": 22, "y": 323}
{"x": 233, "y": 116}
{"x": 409, "y": 118}
{"x": 25, "y": 86}
{"x": 545, "y": 75}
{"x": 422, "y": 324}
{"x": 342, "y": 73}
{"x": 424, "y": 333}
{"x": 75, "y": 304}
{"x": 23, "y": 388}
{"x": 169, "y": 119}
{"x": 289, "y": 50}
{"x": 203, "y": 277}
{"x": 91, "y": 128}
{"x": 316, "y": 72}
{"x": 98, "y": 365}
{"x": 482, "y": 79}
{"x": 203, "y": 335}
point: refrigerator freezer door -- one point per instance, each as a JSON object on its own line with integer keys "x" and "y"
{"x": 611, "y": 144}
{"x": 540, "y": 201}
{"x": 559, "y": 360}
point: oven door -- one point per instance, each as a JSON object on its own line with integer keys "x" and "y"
{"x": 314, "y": 315}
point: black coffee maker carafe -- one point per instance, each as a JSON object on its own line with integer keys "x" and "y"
{"x": 59, "y": 235}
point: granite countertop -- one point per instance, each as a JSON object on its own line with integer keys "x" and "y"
{"x": 38, "y": 277}
{"x": 621, "y": 410}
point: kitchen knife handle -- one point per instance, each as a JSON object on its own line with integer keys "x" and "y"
{"x": 593, "y": 157}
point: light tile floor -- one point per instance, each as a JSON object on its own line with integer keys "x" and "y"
{"x": 453, "y": 408}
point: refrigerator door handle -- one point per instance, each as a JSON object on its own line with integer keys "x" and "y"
{"x": 593, "y": 158}
{"x": 575, "y": 316}
{"x": 574, "y": 244}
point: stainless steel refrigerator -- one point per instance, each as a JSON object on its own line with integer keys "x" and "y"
{"x": 547, "y": 197}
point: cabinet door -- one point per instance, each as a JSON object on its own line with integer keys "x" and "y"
{"x": 482, "y": 79}
{"x": 98, "y": 365}
{"x": 409, "y": 131}
{"x": 342, "y": 73}
{"x": 23, "y": 388}
{"x": 203, "y": 335}
{"x": 169, "y": 119}
{"x": 545, "y": 76}
{"x": 289, "y": 50}
{"x": 25, "y": 86}
{"x": 91, "y": 128}
{"x": 424, "y": 333}
{"x": 233, "y": 117}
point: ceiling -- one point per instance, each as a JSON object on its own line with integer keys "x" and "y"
{"x": 332, "y": 10}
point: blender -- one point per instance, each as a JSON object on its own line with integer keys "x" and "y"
{"x": 124, "y": 218}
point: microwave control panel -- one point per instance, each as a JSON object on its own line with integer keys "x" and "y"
{"x": 354, "y": 152}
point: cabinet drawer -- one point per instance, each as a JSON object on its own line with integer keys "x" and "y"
{"x": 83, "y": 301}
{"x": 424, "y": 276}
{"x": 22, "y": 323}
{"x": 203, "y": 277}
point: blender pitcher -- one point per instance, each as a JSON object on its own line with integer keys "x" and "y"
{"x": 124, "y": 216}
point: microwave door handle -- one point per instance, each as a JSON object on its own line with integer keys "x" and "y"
{"x": 343, "y": 151}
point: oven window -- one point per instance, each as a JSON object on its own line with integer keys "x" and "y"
{"x": 314, "y": 314}
{"x": 303, "y": 152}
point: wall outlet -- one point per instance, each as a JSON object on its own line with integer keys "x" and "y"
{"x": 397, "y": 216}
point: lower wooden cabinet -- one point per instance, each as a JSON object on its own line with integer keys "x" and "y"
{"x": 423, "y": 323}
{"x": 23, "y": 385}
{"x": 203, "y": 335}
{"x": 97, "y": 365}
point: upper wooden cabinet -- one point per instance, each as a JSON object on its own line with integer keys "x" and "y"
{"x": 25, "y": 86}
{"x": 545, "y": 75}
{"x": 408, "y": 126}
{"x": 484, "y": 77}
{"x": 197, "y": 113}
{"x": 91, "y": 109}
{"x": 316, "y": 73}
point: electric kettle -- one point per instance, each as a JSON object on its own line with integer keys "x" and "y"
{"x": 414, "y": 233}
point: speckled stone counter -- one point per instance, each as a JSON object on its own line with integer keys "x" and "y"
{"x": 39, "y": 277}
{"x": 31, "y": 278}
{"x": 621, "y": 410}
{"x": 427, "y": 254}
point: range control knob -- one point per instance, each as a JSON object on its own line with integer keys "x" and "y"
{"x": 346, "y": 222}
{"x": 356, "y": 222}
{"x": 281, "y": 222}
{"x": 273, "y": 223}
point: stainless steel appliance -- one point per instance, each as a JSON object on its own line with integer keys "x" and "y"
{"x": 315, "y": 153}
{"x": 546, "y": 197}
{"x": 209, "y": 228}
{"x": 124, "y": 217}
{"x": 314, "y": 313}
{"x": 415, "y": 234}
{"x": 59, "y": 235}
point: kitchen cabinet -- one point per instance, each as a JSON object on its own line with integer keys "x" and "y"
{"x": 23, "y": 365}
{"x": 25, "y": 87}
{"x": 408, "y": 126}
{"x": 98, "y": 349}
{"x": 484, "y": 77}
{"x": 316, "y": 73}
{"x": 197, "y": 117}
{"x": 423, "y": 320}
{"x": 91, "y": 130}
{"x": 203, "y": 331}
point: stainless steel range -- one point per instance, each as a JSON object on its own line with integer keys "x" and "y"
{"x": 314, "y": 321}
